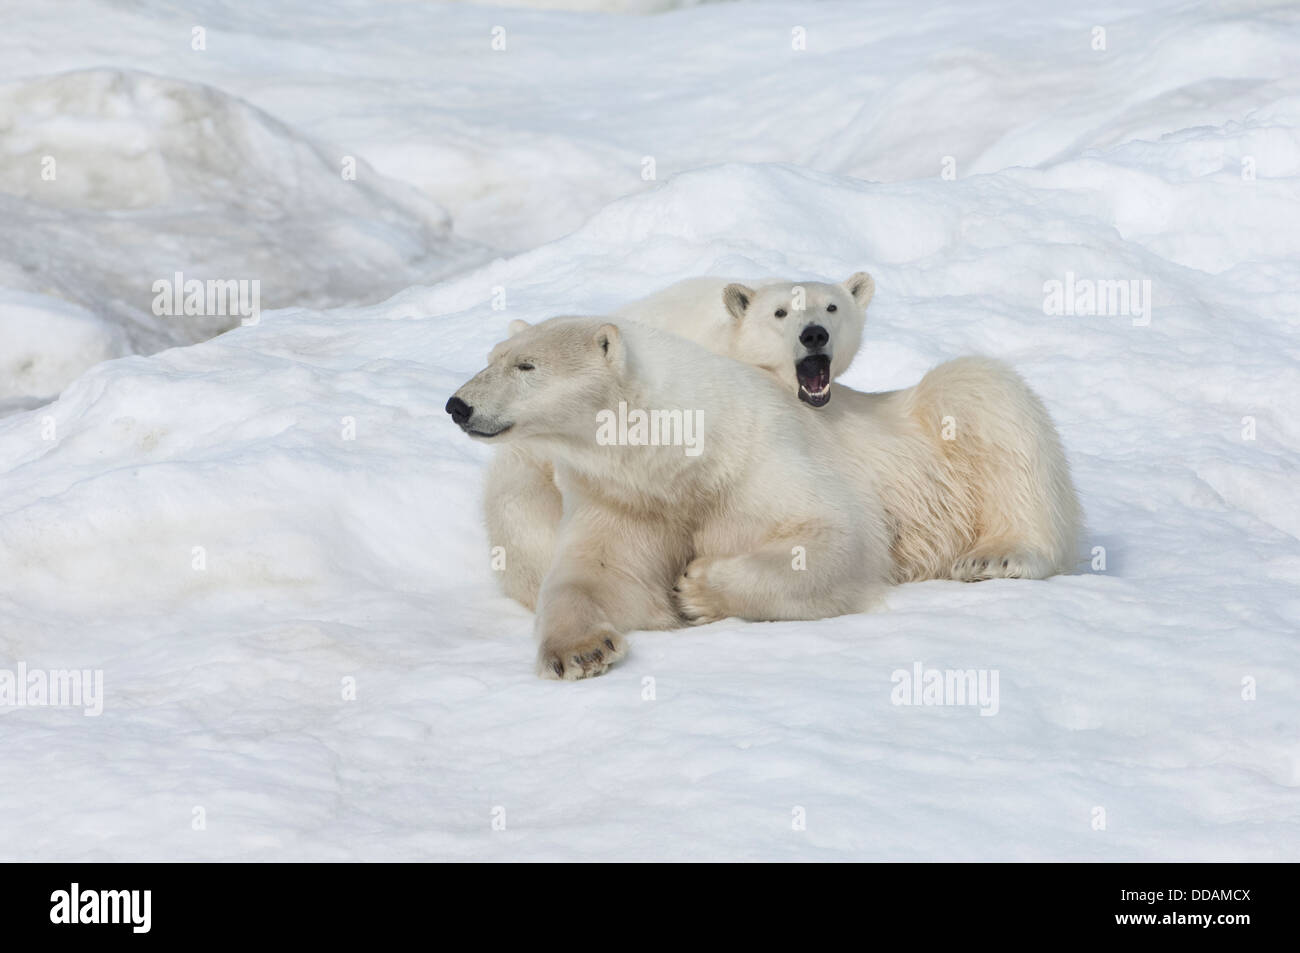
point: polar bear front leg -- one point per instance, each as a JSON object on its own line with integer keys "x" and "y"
{"x": 788, "y": 579}
{"x": 610, "y": 575}
{"x": 577, "y": 639}
{"x": 522, "y": 506}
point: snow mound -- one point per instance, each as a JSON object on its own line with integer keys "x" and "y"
{"x": 111, "y": 180}
{"x": 48, "y": 342}
{"x": 522, "y": 144}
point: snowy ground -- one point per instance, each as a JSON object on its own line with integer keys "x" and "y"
{"x": 306, "y": 466}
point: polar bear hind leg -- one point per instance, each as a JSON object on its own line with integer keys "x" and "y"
{"x": 1026, "y": 512}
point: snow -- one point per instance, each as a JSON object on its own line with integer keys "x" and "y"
{"x": 306, "y": 464}
{"x": 150, "y": 177}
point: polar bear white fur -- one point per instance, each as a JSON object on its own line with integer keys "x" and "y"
{"x": 762, "y": 523}
{"x": 968, "y": 463}
{"x": 970, "y": 470}
{"x": 804, "y": 334}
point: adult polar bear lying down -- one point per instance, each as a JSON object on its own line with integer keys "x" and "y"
{"x": 764, "y": 519}
{"x": 968, "y": 465}
{"x": 804, "y": 334}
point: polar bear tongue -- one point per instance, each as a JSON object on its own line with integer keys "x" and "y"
{"x": 814, "y": 375}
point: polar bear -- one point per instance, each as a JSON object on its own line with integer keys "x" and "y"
{"x": 804, "y": 334}
{"x": 967, "y": 463}
{"x": 759, "y": 524}
{"x": 970, "y": 470}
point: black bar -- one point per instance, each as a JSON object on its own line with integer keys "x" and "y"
{"x": 935, "y": 902}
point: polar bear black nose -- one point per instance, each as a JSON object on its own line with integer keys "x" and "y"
{"x": 814, "y": 336}
{"x": 459, "y": 410}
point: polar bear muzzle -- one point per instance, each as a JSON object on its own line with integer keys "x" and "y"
{"x": 462, "y": 413}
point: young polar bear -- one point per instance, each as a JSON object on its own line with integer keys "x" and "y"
{"x": 968, "y": 464}
{"x": 804, "y": 334}
{"x": 762, "y": 518}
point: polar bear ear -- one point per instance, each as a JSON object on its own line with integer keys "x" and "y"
{"x": 736, "y": 299}
{"x": 517, "y": 325}
{"x": 610, "y": 342}
{"x": 863, "y": 287}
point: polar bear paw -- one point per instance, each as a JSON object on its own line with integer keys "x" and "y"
{"x": 997, "y": 563}
{"x": 583, "y": 657}
{"x": 698, "y": 592}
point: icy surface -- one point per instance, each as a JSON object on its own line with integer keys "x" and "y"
{"x": 306, "y": 463}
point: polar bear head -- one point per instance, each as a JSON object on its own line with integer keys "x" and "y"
{"x": 542, "y": 381}
{"x": 805, "y": 333}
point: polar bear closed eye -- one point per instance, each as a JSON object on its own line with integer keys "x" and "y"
{"x": 527, "y": 386}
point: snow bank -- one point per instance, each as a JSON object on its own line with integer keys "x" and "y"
{"x": 48, "y": 342}
{"x": 113, "y": 180}
{"x": 523, "y": 143}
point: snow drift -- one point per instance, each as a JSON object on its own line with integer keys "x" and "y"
{"x": 112, "y": 180}
{"x": 523, "y": 144}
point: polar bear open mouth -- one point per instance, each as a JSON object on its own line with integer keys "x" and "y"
{"x": 814, "y": 375}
